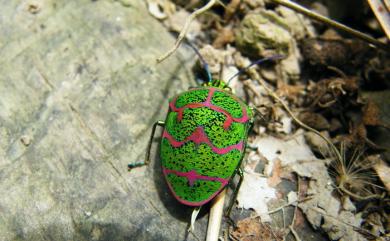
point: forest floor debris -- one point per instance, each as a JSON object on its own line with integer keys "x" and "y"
{"x": 318, "y": 129}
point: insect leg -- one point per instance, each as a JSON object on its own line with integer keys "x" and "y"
{"x": 235, "y": 192}
{"x": 147, "y": 156}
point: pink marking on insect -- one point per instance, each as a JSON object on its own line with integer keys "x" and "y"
{"x": 199, "y": 136}
{"x": 207, "y": 103}
{"x": 224, "y": 182}
{"x": 192, "y": 176}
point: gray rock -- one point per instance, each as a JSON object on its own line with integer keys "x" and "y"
{"x": 79, "y": 91}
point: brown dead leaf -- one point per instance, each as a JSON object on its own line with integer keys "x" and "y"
{"x": 357, "y": 136}
{"x": 291, "y": 92}
{"x": 275, "y": 179}
{"x": 299, "y": 219}
{"x": 252, "y": 229}
{"x": 314, "y": 120}
{"x": 351, "y": 84}
{"x": 371, "y": 114}
{"x": 225, "y": 36}
{"x": 327, "y": 92}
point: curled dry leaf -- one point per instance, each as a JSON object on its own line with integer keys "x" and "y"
{"x": 327, "y": 92}
{"x": 291, "y": 92}
{"x": 252, "y": 229}
{"x": 383, "y": 171}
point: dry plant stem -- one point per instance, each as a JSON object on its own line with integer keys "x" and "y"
{"x": 215, "y": 217}
{"x": 288, "y": 204}
{"x": 282, "y": 207}
{"x": 184, "y": 31}
{"x": 358, "y": 197}
{"x": 332, "y": 23}
{"x": 291, "y": 227}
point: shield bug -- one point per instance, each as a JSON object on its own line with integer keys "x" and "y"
{"x": 203, "y": 141}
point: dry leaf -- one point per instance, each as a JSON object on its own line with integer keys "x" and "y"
{"x": 252, "y": 229}
{"x": 255, "y": 193}
{"x": 276, "y": 173}
{"x": 293, "y": 152}
{"x": 383, "y": 171}
{"x": 371, "y": 114}
{"x": 314, "y": 120}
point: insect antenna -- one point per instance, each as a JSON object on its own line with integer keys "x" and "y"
{"x": 204, "y": 63}
{"x": 274, "y": 57}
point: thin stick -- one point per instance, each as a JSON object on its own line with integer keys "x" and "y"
{"x": 215, "y": 217}
{"x": 184, "y": 31}
{"x": 291, "y": 226}
{"x": 333, "y": 23}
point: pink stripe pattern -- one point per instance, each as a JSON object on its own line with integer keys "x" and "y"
{"x": 192, "y": 176}
{"x": 207, "y": 103}
{"x": 199, "y": 136}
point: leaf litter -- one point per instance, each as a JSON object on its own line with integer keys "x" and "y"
{"x": 322, "y": 123}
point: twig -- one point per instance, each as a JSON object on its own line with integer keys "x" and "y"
{"x": 358, "y": 197}
{"x": 289, "y": 204}
{"x": 291, "y": 227}
{"x": 184, "y": 31}
{"x": 333, "y": 23}
{"x": 282, "y": 207}
{"x": 215, "y": 217}
{"x": 296, "y": 236}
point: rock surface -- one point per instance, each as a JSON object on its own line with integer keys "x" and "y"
{"x": 79, "y": 91}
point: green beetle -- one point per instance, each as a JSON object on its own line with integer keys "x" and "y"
{"x": 203, "y": 141}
